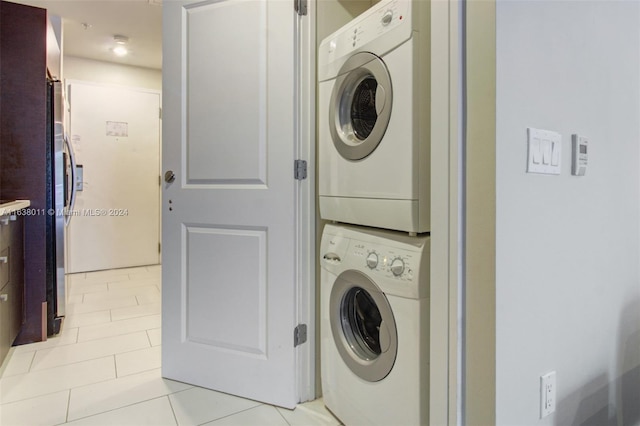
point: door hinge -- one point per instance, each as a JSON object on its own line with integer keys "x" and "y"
{"x": 159, "y": 248}
{"x": 299, "y": 334}
{"x": 160, "y": 113}
{"x": 300, "y": 169}
{"x": 159, "y": 180}
{"x": 300, "y": 6}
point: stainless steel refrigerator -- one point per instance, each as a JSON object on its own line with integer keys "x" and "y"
{"x": 60, "y": 199}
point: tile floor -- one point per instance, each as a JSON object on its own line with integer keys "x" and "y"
{"x": 104, "y": 368}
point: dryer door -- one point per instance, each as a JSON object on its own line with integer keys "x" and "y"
{"x": 363, "y": 326}
{"x": 360, "y": 106}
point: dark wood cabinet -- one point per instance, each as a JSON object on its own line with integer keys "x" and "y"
{"x": 12, "y": 280}
{"x": 23, "y": 145}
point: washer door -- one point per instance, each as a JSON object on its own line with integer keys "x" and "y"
{"x": 363, "y": 326}
{"x": 360, "y": 106}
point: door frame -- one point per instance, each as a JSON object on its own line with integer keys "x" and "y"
{"x": 305, "y": 135}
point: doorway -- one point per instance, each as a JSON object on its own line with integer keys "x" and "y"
{"x": 115, "y": 134}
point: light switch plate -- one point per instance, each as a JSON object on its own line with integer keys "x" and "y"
{"x": 544, "y": 151}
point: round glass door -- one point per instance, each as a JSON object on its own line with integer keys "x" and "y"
{"x": 360, "y": 107}
{"x": 363, "y": 326}
{"x": 363, "y": 112}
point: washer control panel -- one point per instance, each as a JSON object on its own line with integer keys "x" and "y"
{"x": 396, "y": 262}
{"x": 389, "y": 262}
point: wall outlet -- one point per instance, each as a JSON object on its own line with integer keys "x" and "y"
{"x": 547, "y": 394}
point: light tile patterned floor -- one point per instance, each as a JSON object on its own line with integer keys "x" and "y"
{"x": 104, "y": 368}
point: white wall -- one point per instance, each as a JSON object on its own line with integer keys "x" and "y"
{"x": 567, "y": 248}
{"x": 333, "y": 14}
{"x": 111, "y": 73}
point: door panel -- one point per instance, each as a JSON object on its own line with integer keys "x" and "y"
{"x": 230, "y": 258}
{"x": 227, "y": 286}
{"x": 227, "y": 138}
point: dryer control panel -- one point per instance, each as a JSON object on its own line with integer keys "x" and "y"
{"x": 378, "y": 30}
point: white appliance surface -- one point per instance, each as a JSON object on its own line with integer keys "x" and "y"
{"x": 401, "y": 397}
{"x": 386, "y": 185}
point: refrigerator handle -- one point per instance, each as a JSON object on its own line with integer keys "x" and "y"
{"x": 72, "y": 198}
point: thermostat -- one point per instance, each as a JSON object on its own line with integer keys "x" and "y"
{"x": 579, "y": 149}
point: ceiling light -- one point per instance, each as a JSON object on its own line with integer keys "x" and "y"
{"x": 120, "y": 50}
{"x": 121, "y": 45}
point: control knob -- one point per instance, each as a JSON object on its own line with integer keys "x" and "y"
{"x": 372, "y": 260}
{"x": 397, "y": 266}
{"x": 387, "y": 17}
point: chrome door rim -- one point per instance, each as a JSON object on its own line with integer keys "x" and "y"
{"x": 355, "y": 70}
{"x": 366, "y": 364}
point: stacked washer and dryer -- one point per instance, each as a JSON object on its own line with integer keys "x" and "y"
{"x": 374, "y": 185}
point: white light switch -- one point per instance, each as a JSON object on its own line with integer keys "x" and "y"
{"x": 544, "y": 151}
{"x": 555, "y": 154}
{"x": 535, "y": 151}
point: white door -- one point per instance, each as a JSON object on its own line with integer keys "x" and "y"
{"x": 115, "y": 134}
{"x": 236, "y": 249}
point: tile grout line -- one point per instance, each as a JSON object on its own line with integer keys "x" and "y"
{"x": 136, "y": 317}
{"x": 33, "y": 397}
{"x": 66, "y": 418}
{"x": 172, "y": 410}
{"x": 116, "y": 335}
{"x": 33, "y": 358}
{"x": 138, "y": 372}
{"x": 92, "y": 359}
{"x": 67, "y": 365}
{"x": 115, "y": 366}
{"x": 52, "y": 346}
{"x": 283, "y": 418}
{"x": 118, "y": 408}
{"x": 237, "y": 412}
{"x": 101, "y": 309}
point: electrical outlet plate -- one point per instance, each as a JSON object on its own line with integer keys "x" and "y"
{"x": 547, "y": 394}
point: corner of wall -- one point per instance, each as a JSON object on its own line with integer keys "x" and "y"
{"x": 480, "y": 314}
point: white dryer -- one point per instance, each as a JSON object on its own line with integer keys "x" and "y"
{"x": 374, "y": 100}
{"x": 375, "y": 326}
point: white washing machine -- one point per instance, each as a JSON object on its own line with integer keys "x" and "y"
{"x": 375, "y": 326}
{"x": 374, "y": 100}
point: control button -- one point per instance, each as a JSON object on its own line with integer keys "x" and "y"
{"x": 332, "y": 258}
{"x": 372, "y": 260}
{"x": 397, "y": 266}
{"x": 387, "y": 17}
